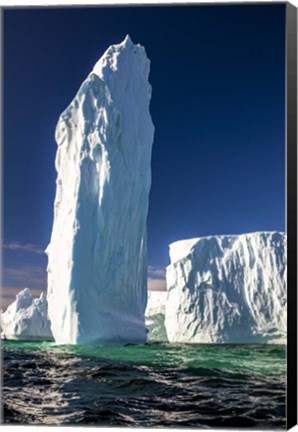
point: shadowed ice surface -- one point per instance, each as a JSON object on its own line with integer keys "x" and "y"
{"x": 144, "y": 385}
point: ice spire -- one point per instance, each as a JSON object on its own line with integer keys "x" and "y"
{"x": 97, "y": 272}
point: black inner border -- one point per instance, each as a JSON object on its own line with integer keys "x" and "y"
{"x": 291, "y": 131}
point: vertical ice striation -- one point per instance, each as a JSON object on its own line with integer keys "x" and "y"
{"x": 97, "y": 270}
{"x": 228, "y": 289}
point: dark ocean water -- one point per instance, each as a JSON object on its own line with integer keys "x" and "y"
{"x": 153, "y": 385}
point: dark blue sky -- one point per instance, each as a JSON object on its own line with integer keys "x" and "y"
{"x": 218, "y": 106}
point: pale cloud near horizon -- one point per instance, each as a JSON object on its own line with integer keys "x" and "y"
{"x": 8, "y": 294}
{"x": 35, "y": 278}
{"x": 156, "y": 272}
{"x": 157, "y": 284}
{"x": 156, "y": 278}
{"x": 32, "y": 276}
{"x": 23, "y": 247}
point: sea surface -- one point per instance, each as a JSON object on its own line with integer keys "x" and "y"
{"x": 155, "y": 385}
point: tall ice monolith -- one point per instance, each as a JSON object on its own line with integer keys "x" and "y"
{"x": 97, "y": 256}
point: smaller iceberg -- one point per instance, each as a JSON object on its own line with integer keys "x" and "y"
{"x": 228, "y": 289}
{"x": 26, "y": 318}
{"x": 155, "y": 316}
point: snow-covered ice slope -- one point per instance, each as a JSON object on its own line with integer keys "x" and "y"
{"x": 26, "y": 318}
{"x": 155, "y": 316}
{"x": 229, "y": 288}
{"x": 97, "y": 269}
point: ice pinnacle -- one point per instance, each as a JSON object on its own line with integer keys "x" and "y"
{"x": 97, "y": 269}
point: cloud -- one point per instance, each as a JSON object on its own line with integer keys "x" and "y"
{"x": 157, "y": 284}
{"x": 5, "y": 302}
{"x": 156, "y": 278}
{"x": 35, "y": 278}
{"x": 156, "y": 272}
{"x": 23, "y": 247}
{"x": 32, "y": 276}
{"x": 8, "y": 295}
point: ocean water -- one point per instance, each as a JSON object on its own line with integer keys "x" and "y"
{"x": 156, "y": 385}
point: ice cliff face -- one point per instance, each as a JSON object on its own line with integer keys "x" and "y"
{"x": 227, "y": 289}
{"x": 97, "y": 270}
{"x": 26, "y": 318}
{"x": 155, "y": 316}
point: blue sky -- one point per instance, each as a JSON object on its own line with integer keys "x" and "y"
{"x": 218, "y": 106}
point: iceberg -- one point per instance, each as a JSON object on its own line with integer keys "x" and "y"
{"x": 97, "y": 256}
{"x": 155, "y": 316}
{"x": 26, "y": 318}
{"x": 228, "y": 289}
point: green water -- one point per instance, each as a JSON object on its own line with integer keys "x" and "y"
{"x": 152, "y": 385}
{"x": 264, "y": 359}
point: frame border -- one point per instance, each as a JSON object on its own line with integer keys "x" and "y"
{"x": 291, "y": 173}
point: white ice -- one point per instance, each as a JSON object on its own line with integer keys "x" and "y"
{"x": 155, "y": 316}
{"x": 26, "y": 318}
{"x": 228, "y": 289}
{"x": 97, "y": 269}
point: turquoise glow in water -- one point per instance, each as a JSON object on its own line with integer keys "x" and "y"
{"x": 266, "y": 359}
{"x": 145, "y": 385}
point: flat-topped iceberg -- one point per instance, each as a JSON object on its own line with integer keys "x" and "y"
{"x": 97, "y": 269}
{"x": 228, "y": 289}
{"x": 155, "y": 316}
{"x": 26, "y": 318}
